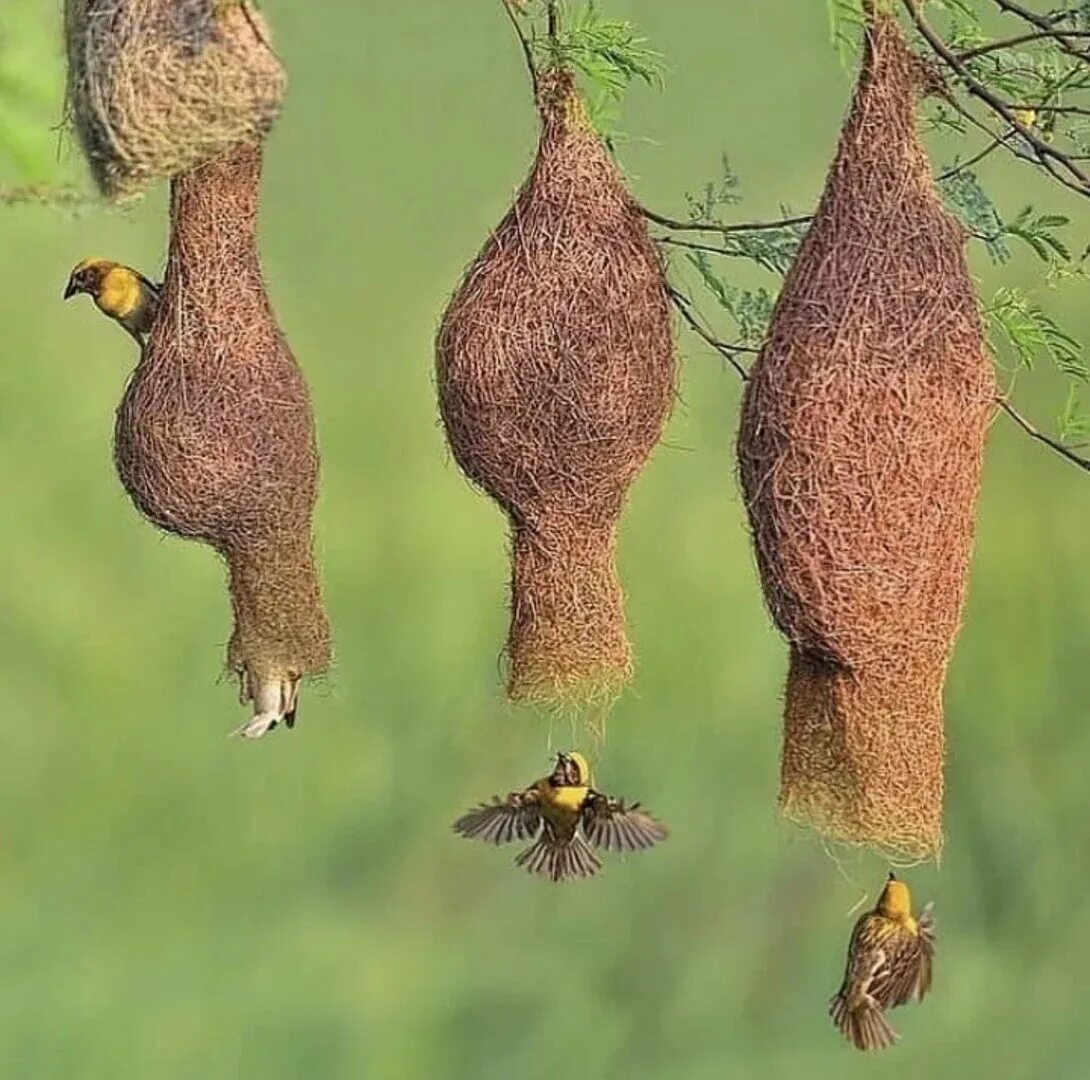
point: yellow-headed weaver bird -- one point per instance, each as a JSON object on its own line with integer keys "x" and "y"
{"x": 120, "y": 292}
{"x": 560, "y": 813}
{"x": 889, "y": 964}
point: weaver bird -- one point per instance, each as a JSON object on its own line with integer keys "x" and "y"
{"x": 889, "y": 964}
{"x": 561, "y": 812}
{"x": 274, "y": 700}
{"x": 123, "y": 294}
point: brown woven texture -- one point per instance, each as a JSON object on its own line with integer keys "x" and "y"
{"x": 556, "y": 375}
{"x": 860, "y": 453}
{"x": 158, "y": 87}
{"x": 215, "y": 436}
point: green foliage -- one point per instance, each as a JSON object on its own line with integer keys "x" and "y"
{"x": 1018, "y": 325}
{"x": 719, "y": 192}
{"x": 176, "y": 907}
{"x": 968, "y": 200}
{"x": 1043, "y": 84}
{"x": 1047, "y": 86}
{"x": 1073, "y": 424}
{"x": 609, "y": 52}
{"x": 1041, "y": 233}
{"x": 845, "y": 24}
{"x": 750, "y": 309}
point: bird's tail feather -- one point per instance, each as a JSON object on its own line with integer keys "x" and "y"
{"x": 864, "y": 1026}
{"x": 560, "y": 860}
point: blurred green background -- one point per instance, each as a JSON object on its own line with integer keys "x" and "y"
{"x": 174, "y": 904}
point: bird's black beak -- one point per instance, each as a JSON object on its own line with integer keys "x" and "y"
{"x": 72, "y": 288}
{"x": 892, "y": 876}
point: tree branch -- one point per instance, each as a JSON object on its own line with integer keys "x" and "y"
{"x": 1021, "y": 39}
{"x": 692, "y": 245}
{"x": 976, "y": 159}
{"x": 725, "y": 349}
{"x": 527, "y": 51}
{"x": 1059, "y": 165}
{"x": 1062, "y": 38}
{"x": 712, "y": 226}
{"x": 1041, "y": 437}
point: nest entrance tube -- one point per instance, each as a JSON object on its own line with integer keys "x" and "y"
{"x": 567, "y": 637}
{"x": 555, "y": 370}
{"x": 215, "y": 435}
{"x": 860, "y": 455}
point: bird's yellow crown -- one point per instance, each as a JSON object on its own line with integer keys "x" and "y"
{"x": 895, "y": 901}
{"x": 95, "y": 264}
{"x": 582, "y": 767}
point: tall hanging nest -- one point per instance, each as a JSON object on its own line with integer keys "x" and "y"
{"x": 556, "y": 376}
{"x": 159, "y": 87}
{"x": 215, "y": 436}
{"x": 860, "y": 452}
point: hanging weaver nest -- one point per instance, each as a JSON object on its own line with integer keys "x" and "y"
{"x": 159, "y": 87}
{"x": 215, "y": 435}
{"x": 860, "y": 451}
{"x": 555, "y": 365}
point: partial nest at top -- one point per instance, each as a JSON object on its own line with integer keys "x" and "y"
{"x": 159, "y": 87}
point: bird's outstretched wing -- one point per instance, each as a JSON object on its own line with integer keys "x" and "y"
{"x": 611, "y": 825}
{"x": 502, "y": 821}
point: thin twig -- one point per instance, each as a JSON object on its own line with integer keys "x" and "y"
{"x": 524, "y": 41}
{"x": 1055, "y": 161}
{"x": 692, "y": 245}
{"x": 1021, "y": 39}
{"x": 711, "y": 226}
{"x": 724, "y": 348}
{"x": 1062, "y": 37}
{"x": 1041, "y": 437}
{"x": 976, "y": 159}
{"x": 1073, "y": 110}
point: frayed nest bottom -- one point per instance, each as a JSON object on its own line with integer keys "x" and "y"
{"x": 281, "y": 629}
{"x": 567, "y": 647}
{"x": 863, "y": 754}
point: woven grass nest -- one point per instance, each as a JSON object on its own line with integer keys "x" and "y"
{"x": 556, "y": 375}
{"x": 159, "y": 87}
{"x": 215, "y": 435}
{"x": 860, "y": 455}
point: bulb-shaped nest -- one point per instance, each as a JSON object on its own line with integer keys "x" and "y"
{"x": 556, "y": 375}
{"x": 860, "y": 452}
